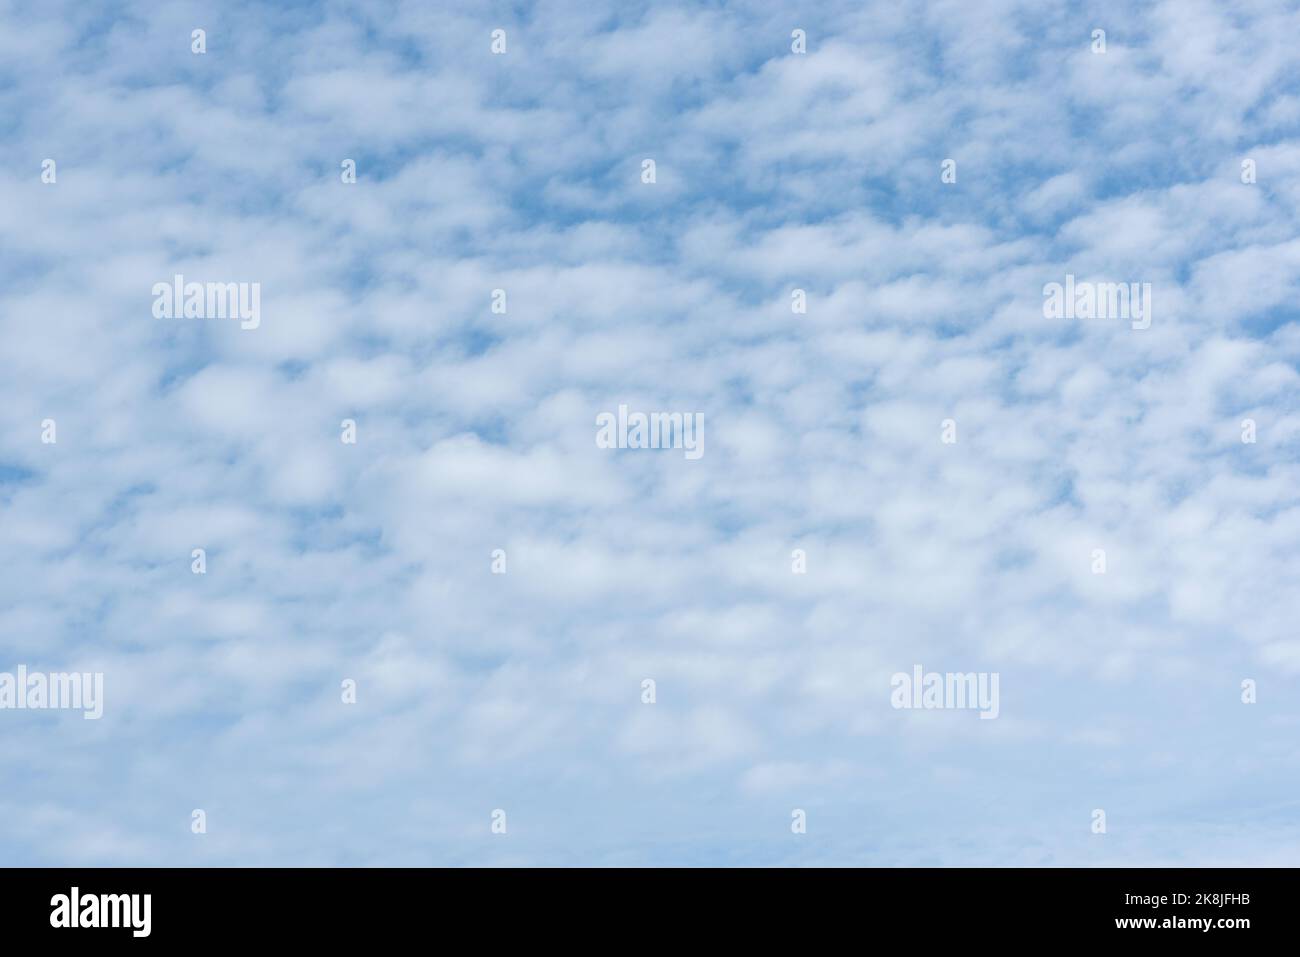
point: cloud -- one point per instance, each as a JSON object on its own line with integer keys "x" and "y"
{"x": 776, "y": 171}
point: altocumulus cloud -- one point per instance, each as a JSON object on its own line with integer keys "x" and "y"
{"x": 908, "y": 464}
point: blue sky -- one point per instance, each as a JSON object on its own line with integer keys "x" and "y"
{"x": 476, "y": 431}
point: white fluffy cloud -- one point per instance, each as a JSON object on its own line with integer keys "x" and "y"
{"x": 476, "y": 432}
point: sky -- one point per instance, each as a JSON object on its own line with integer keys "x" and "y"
{"x": 922, "y": 468}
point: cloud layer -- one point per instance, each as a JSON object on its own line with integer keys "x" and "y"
{"x": 522, "y": 691}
